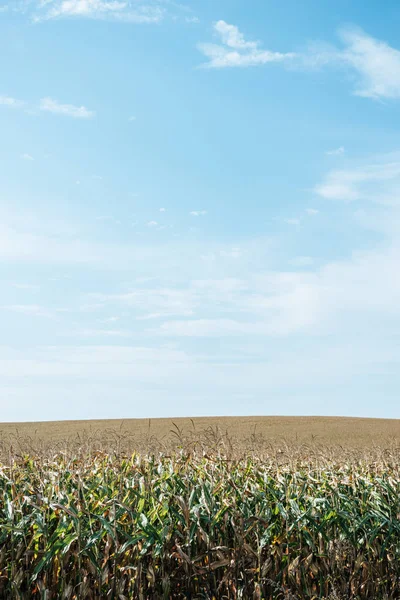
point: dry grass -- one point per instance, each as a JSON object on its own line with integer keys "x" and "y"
{"x": 241, "y": 434}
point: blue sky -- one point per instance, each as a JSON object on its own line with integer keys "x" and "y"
{"x": 199, "y": 208}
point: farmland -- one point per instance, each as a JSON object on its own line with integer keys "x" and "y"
{"x": 154, "y": 434}
{"x": 285, "y": 509}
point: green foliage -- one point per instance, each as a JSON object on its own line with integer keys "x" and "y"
{"x": 188, "y": 526}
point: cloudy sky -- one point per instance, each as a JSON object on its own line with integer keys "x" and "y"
{"x": 199, "y": 208}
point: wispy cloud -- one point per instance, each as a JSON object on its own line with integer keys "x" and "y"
{"x": 258, "y": 299}
{"x": 11, "y": 102}
{"x": 198, "y": 213}
{"x": 375, "y": 63}
{"x": 48, "y": 105}
{"x": 30, "y": 287}
{"x": 26, "y": 156}
{"x": 109, "y": 360}
{"x": 312, "y": 211}
{"x": 336, "y": 152}
{"x": 302, "y": 261}
{"x": 346, "y": 309}
{"x": 127, "y": 11}
{"x": 209, "y": 328}
{"x": 68, "y": 110}
{"x": 232, "y": 253}
{"x": 25, "y": 286}
{"x": 28, "y": 309}
{"x": 162, "y": 302}
{"x": 235, "y": 51}
{"x": 119, "y": 333}
{"x": 358, "y": 292}
{"x": 39, "y": 239}
{"x": 377, "y": 182}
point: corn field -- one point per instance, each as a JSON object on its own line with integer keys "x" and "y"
{"x": 198, "y": 525}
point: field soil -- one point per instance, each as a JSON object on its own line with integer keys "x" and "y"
{"x": 328, "y": 431}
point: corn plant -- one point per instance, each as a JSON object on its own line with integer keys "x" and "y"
{"x": 189, "y": 525}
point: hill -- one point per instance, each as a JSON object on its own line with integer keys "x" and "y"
{"x": 337, "y": 431}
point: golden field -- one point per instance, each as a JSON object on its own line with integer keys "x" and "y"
{"x": 154, "y": 434}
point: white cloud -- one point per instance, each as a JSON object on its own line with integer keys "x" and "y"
{"x": 88, "y": 7}
{"x": 117, "y": 10}
{"x": 332, "y": 321}
{"x": 302, "y": 261}
{"x": 198, "y": 213}
{"x": 88, "y": 361}
{"x": 376, "y": 63}
{"x": 232, "y": 253}
{"x": 345, "y": 297}
{"x": 231, "y": 36}
{"x": 27, "y": 157}
{"x": 359, "y": 291}
{"x": 163, "y": 209}
{"x": 277, "y": 304}
{"x": 38, "y": 238}
{"x": 336, "y": 189}
{"x": 11, "y": 102}
{"x": 312, "y": 211}
{"x": 49, "y": 105}
{"x": 69, "y": 110}
{"x": 337, "y": 152}
{"x": 25, "y": 286}
{"x": 152, "y": 224}
{"x": 161, "y": 301}
{"x": 209, "y": 328}
{"x": 151, "y": 316}
{"x": 235, "y": 51}
{"x": 119, "y": 333}
{"x": 27, "y": 309}
{"x": 377, "y": 182}
{"x": 293, "y": 221}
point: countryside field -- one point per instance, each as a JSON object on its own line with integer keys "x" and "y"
{"x": 149, "y": 434}
{"x": 261, "y": 508}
